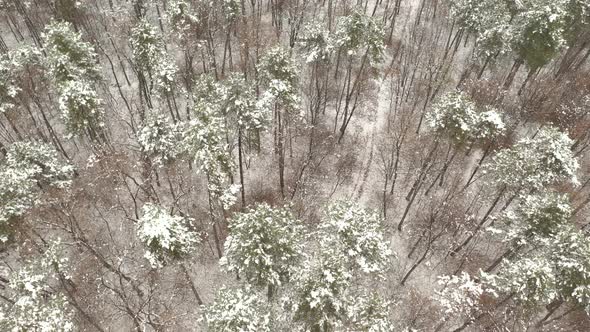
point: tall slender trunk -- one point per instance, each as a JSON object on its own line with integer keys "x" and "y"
{"x": 241, "y": 167}
{"x": 512, "y": 73}
{"x": 481, "y": 223}
{"x": 191, "y": 284}
{"x": 281, "y": 154}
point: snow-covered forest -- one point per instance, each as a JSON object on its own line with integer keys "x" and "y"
{"x": 294, "y": 165}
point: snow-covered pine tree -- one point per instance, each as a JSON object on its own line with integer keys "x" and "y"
{"x": 490, "y": 22}
{"x": 17, "y": 196}
{"x": 359, "y": 34}
{"x": 72, "y": 64}
{"x": 553, "y": 267}
{"x": 34, "y": 303}
{"x": 182, "y": 17}
{"x": 456, "y": 116}
{"x": 159, "y": 139}
{"x": 167, "y": 238}
{"x": 556, "y": 270}
{"x": 316, "y": 44}
{"x": 239, "y": 105}
{"x": 157, "y": 71}
{"x": 358, "y": 41}
{"x": 533, "y": 30}
{"x": 536, "y": 216}
{"x": 351, "y": 246}
{"x": 9, "y": 87}
{"x": 204, "y": 140}
{"x": 357, "y": 233}
{"x": 532, "y": 279}
{"x": 534, "y": 163}
{"x": 321, "y": 296}
{"x": 264, "y": 246}
{"x": 239, "y": 309}
{"x": 238, "y": 101}
{"x": 28, "y": 166}
{"x": 570, "y": 252}
{"x": 460, "y": 296}
{"x": 371, "y": 313}
{"x": 279, "y": 80}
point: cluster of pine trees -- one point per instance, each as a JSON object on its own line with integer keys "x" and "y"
{"x": 294, "y": 165}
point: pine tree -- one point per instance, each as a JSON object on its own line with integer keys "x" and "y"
{"x": 166, "y": 237}
{"x": 537, "y": 216}
{"x": 460, "y": 296}
{"x": 456, "y": 116}
{"x": 159, "y": 139}
{"x": 351, "y": 246}
{"x": 71, "y": 63}
{"x": 532, "y": 280}
{"x": 17, "y": 196}
{"x": 371, "y": 313}
{"x": 570, "y": 252}
{"x": 34, "y": 305}
{"x": 357, "y": 34}
{"x": 489, "y": 21}
{"x": 534, "y": 163}
{"x": 182, "y": 18}
{"x": 534, "y": 30}
{"x": 9, "y": 83}
{"x": 357, "y": 234}
{"x": 264, "y": 246}
{"x": 204, "y": 140}
{"x": 553, "y": 264}
{"x": 322, "y": 293}
{"x": 279, "y": 78}
{"x": 316, "y": 44}
{"x": 238, "y": 104}
{"x": 238, "y": 309}
{"x": 157, "y": 71}
{"x": 28, "y": 166}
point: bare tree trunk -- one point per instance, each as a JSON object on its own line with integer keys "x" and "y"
{"x": 191, "y": 284}
{"x": 512, "y": 73}
{"x": 241, "y": 167}
{"x": 483, "y": 220}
